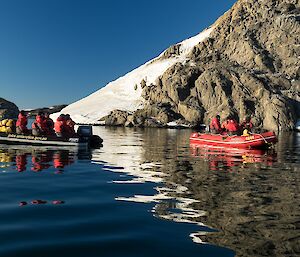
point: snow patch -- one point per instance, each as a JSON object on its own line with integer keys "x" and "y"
{"x": 125, "y": 92}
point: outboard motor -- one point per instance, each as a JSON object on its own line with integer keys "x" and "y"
{"x": 85, "y": 132}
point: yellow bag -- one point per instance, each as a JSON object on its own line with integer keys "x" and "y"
{"x": 10, "y": 123}
{"x": 3, "y": 122}
{"x": 246, "y": 133}
{"x": 8, "y": 130}
{"x": 5, "y": 129}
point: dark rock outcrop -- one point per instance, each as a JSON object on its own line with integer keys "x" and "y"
{"x": 52, "y": 109}
{"x": 248, "y": 66}
{"x": 8, "y": 110}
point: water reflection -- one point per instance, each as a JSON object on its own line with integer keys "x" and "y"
{"x": 253, "y": 210}
{"x": 37, "y": 159}
{"x": 222, "y": 158}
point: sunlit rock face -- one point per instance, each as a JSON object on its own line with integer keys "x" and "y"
{"x": 8, "y": 110}
{"x": 249, "y": 65}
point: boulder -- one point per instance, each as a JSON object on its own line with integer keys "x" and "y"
{"x": 116, "y": 118}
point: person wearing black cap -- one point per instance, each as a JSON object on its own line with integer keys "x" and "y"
{"x": 215, "y": 126}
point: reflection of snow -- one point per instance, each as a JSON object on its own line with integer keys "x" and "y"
{"x": 124, "y": 148}
{"x": 127, "y": 152}
{"x": 196, "y": 237}
{"x": 187, "y": 214}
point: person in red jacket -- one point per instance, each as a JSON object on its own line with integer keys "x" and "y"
{"x": 231, "y": 126}
{"x": 70, "y": 126}
{"x": 49, "y": 124}
{"x": 215, "y": 126}
{"x": 21, "y": 125}
{"x": 247, "y": 124}
{"x": 60, "y": 126}
{"x": 39, "y": 126}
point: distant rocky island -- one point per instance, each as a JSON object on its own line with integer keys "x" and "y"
{"x": 246, "y": 64}
{"x": 52, "y": 109}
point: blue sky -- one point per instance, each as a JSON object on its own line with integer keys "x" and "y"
{"x": 59, "y": 51}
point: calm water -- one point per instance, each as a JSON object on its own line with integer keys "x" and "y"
{"x": 149, "y": 193}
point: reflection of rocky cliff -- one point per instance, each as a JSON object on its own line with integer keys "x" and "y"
{"x": 249, "y": 65}
{"x": 8, "y": 110}
{"x": 254, "y": 208}
{"x": 252, "y": 200}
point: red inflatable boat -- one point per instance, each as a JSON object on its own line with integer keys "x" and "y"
{"x": 253, "y": 141}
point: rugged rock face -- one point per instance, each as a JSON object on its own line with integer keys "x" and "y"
{"x": 8, "y": 110}
{"x": 248, "y": 66}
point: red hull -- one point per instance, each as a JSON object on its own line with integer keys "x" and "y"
{"x": 254, "y": 141}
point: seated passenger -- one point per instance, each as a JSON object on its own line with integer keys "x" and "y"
{"x": 231, "y": 126}
{"x": 39, "y": 125}
{"x": 215, "y": 126}
{"x": 60, "y": 126}
{"x": 224, "y": 125}
{"x": 49, "y": 124}
{"x": 70, "y": 126}
{"x": 21, "y": 125}
{"x": 247, "y": 124}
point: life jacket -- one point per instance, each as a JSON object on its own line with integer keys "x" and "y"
{"x": 215, "y": 124}
{"x": 224, "y": 124}
{"x": 22, "y": 121}
{"x": 70, "y": 126}
{"x": 49, "y": 122}
{"x": 60, "y": 125}
{"x": 232, "y": 126}
{"x": 39, "y": 123}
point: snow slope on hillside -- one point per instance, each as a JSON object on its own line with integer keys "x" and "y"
{"x": 125, "y": 92}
